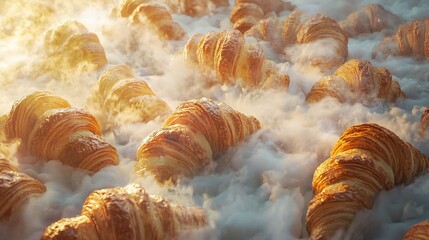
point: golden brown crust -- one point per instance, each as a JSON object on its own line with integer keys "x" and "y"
{"x": 365, "y": 160}
{"x": 357, "y": 80}
{"x": 127, "y": 213}
{"x": 419, "y": 231}
{"x": 196, "y": 133}
{"x": 424, "y": 122}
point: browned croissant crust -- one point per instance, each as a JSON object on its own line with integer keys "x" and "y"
{"x": 424, "y": 121}
{"x": 301, "y": 28}
{"x": 366, "y": 159}
{"x": 196, "y": 133}
{"x": 119, "y": 90}
{"x": 419, "y": 231}
{"x": 357, "y": 80}
{"x": 373, "y": 18}
{"x": 247, "y": 13}
{"x": 50, "y": 129}
{"x": 229, "y": 55}
{"x": 127, "y": 213}
{"x": 153, "y": 15}
{"x": 411, "y": 39}
{"x": 71, "y": 44}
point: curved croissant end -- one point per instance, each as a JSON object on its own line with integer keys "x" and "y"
{"x": 373, "y": 18}
{"x": 127, "y": 213}
{"x": 419, "y": 231}
{"x": 72, "y": 44}
{"x": 196, "y": 133}
{"x": 424, "y": 122}
{"x": 366, "y": 159}
{"x": 228, "y": 55}
{"x": 357, "y": 80}
{"x": 411, "y": 39}
{"x": 50, "y": 129}
{"x": 119, "y": 90}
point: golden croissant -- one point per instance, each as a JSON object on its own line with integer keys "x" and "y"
{"x": 411, "y": 39}
{"x": 356, "y": 80}
{"x": 195, "y": 134}
{"x": 195, "y": 7}
{"x": 119, "y": 90}
{"x": 71, "y": 44}
{"x": 424, "y": 121}
{"x": 373, "y": 18}
{"x": 301, "y": 28}
{"x": 366, "y": 159}
{"x": 419, "y": 231}
{"x": 247, "y": 13}
{"x": 127, "y": 213}
{"x": 50, "y": 129}
{"x": 153, "y": 15}
{"x": 232, "y": 58}
{"x": 15, "y": 188}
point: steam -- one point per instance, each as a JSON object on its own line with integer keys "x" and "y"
{"x": 258, "y": 189}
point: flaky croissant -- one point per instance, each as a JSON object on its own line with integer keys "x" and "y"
{"x": 366, "y": 159}
{"x": 373, "y": 18}
{"x": 419, "y": 231}
{"x": 71, "y": 44}
{"x": 411, "y": 39}
{"x": 15, "y": 188}
{"x": 120, "y": 91}
{"x": 424, "y": 121}
{"x": 247, "y": 13}
{"x": 195, "y": 134}
{"x": 127, "y": 213}
{"x": 232, "y": 58}
{"x": 301, "y": 28}
{"x": 50, "y": 129}
{"x": 357, "y": 80}
{"x": 154, "y": 15}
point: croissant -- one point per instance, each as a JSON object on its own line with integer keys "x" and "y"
{"x": 71, "y": 44}
{"x": 411, "y": 39}
{"x": 195, "y": 7}
{"x": 247, "y": 13}
{"x": 357, "y": 80}
{"x": 15, "y": 188}
{"x": 233, "y": 58}
{"x": 119, "y": 90}
{"x": 419, "y": 231}
{"x": 195, "y": 134}
{"x": 50, "y": 129}
{"x": 153, "y": 15}
{"x": 301, "y": 28}
{"x": 373, "y": 18}
{"x": 366, "y": 159}
{"x": 127, "y": 213}
{"x": 424, "y": 121}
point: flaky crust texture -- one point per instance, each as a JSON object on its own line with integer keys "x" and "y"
{"x": 420, "y": 231}
{"x": 357, "y": 81}
{"x": 411, "y": 39}
{"x": 372, "y": 18}
{"x": 366, "y": 159}
{"x": 191, "y": 138}
{"x": 49, "y": 129}
{"x": 127, "y": 213}
{"x": 152, "y": 15}
{"x": 71, "y": 44}
{"x": 232, "y": 59}
{"x": 120, "y": 93}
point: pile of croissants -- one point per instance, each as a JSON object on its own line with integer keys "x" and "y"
{"x": 366, "y": 159}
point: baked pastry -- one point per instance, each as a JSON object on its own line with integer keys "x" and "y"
{"x": 191, "y": 138}
{"x": 300, "y": 28}
{"x": 424, "y": 121}
{"x": 372, "y": 18}
{"x": 357, "y": 81}
{"x": 366, "y": 159}
{"x": 419, "y": 231}
{"x": 120, "y": 91}
{"x": 247, "y": 13}
{"x": 195, "y": 7}
{"x": 71, "y": 45}
{"x": 411, "y": 39}
{"x": 153, "y": 15}
{"x": 127, "y": 213}
{"x": 232, "y": 58}
{"x": 50, "y": 129}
